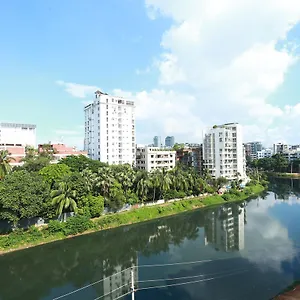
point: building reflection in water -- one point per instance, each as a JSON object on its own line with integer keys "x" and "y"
{"x": 119, "y": 282}
{"x": 224, "y": 227}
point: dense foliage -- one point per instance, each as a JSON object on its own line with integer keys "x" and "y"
{"x": 87, "y": 187}
{"x": 276, "y": 163}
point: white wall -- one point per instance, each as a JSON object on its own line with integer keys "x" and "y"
{"x": 13, "y": 133}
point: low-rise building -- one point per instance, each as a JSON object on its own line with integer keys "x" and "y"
{"x": 191, "y": 156}
{"x": 265, "y": 153}
{"x": 60, "y": 151}
{"x": 280, "y": 148}
{"x": 151, "y": 158}
{"x": 17, "y": 153}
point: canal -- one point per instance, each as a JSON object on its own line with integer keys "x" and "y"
{"x": 248, "y": 250}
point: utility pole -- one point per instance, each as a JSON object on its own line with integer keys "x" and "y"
{"x": 132, "y": 283}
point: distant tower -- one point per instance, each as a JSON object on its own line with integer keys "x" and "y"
{"x": 157, "y": 141}
{"x": 169, "y": 141}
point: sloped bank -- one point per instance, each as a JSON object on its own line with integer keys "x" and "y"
{"x": 74, "y": 226}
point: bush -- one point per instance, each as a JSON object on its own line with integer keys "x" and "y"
{"x": 181, "y": 194}
{"x": 226, "y": 197}
{"x": 77, "y": 224}
{"x": 55, "y": 227}
{"x": 96, "y": 206}
{"x": 209, "y": 189}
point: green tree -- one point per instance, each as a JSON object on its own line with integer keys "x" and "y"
{"x": 63, "y": 198}
{"x": 5, "y": 159}
{"x": 81, "y": 162}
{"x": 54, "y": 172}
{"x": 23, "y": 195}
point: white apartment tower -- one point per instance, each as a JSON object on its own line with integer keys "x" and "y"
{"x": 223, "y": 151}
{"x": 110, "y": 129}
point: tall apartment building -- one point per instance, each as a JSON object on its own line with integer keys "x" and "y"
{"x": 110, "y": 129}
{"x": 169, "y": 141}
{"x": 223, "y": 151}
{"x": 157, "y": 141}
{"x": 151, "y": 158}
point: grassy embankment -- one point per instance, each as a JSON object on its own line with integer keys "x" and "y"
{"x": 20, "y": 239}
{"x": 283, "y": 175}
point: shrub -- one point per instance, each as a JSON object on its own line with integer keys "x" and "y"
{"x": 55, "y": 227}
{"x": 96, "y": 206}
{"x": 181, "y": 194}
{"x": 77, "y": 224}
{"x": 226, "y": 197}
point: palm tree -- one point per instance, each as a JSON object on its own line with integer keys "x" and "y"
{"x": 64, "y": 198}
{"x": 5, "y": 159}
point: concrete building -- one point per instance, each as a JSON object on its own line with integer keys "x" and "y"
{"x": 223, "y": 151}
{"x": 60, "y": 151}
{"x": 15, "y": 134}
{"x": 265, "y": 153}
{"x": 280, "y": 148}
{"x": 252, "y": 148}
{"x": 169, "y": 141}
{"x": 225, "y": 228}
{"x": 191, "y": 156}
{"x": 152, "y": 158}
{"x": 157, "y": 141}
{"x": 14, "y": 137}
{"x": 110, "y": 129}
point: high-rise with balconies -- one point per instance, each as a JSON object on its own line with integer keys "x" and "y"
{"x": 223, "y": 151}
{"x": 110, "y": 129}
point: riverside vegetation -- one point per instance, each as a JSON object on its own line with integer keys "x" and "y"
{"x": 86, "y": 187}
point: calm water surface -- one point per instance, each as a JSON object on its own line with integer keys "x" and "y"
{"x": 240, "y": 251}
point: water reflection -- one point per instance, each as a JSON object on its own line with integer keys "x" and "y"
{"x": 260, "y": 236}
{"x": 224, "y": 227}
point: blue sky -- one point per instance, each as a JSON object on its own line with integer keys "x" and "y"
{"x": 142, "y": 49}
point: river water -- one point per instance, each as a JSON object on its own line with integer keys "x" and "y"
{"x": 239, "y": 251}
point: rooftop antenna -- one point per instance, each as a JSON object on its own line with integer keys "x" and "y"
{"x": 61, "y": 139}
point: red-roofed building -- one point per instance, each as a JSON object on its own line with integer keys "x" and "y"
{"x": 16, "y": 152}
{"x": 60, "y": 151}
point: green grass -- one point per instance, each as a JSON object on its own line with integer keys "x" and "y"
{"x": 20, "y": 239}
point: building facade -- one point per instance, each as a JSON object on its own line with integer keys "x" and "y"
{"x": 14, "y": 134}
{"x": 110, "y": 129}
{"x": 169, "y": 141}
{"x": 191, "y": 156}
{"x": 265, "y": 153}
{"x": 152, "y": 158}
{"x": 252, "y": 148}
{"x": 14, "y": 138}
{"x": 280, "y": 148}
{"x": 224, "y": 152}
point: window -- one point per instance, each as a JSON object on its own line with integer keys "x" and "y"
{"x": 106, "y": 100}
{"x": 220, "y": 140}
{"x": 106, "y": 119}
{"x": 106, "y": 106}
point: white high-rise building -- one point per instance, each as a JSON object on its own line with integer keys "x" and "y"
{"x": 15, "y": 134}
{"x": 110, "y": 129}
{"x": 223, "y": 151}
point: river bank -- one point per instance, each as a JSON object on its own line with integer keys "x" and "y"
{"x": 283, "y": 175}
{"x": 79, "y": 225}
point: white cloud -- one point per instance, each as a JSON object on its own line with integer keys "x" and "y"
{"x": 77, "y": 90}
{"x": 223, "y": 54}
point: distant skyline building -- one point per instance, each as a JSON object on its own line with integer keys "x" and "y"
{"x": 169, "y": 141}
{"x": 280, "y": 148}
{"x": 223, "y": 151}
{"x": 110, "y": 129}
{"x": 157, "y": 141}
